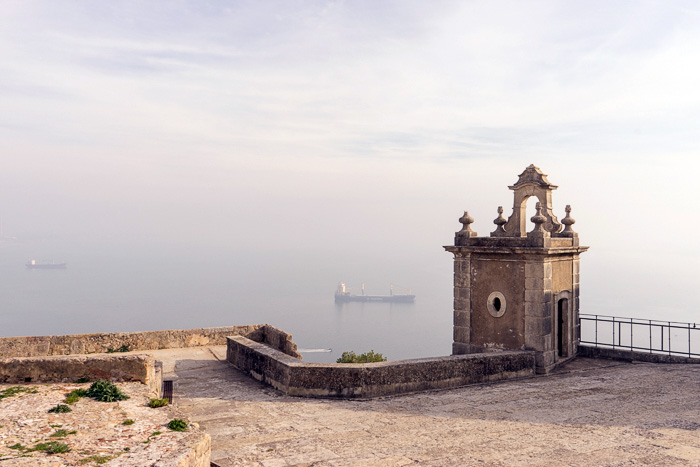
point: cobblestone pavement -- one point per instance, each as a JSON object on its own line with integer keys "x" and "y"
{"x": 592, "y": 413}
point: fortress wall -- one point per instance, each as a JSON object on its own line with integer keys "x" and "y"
{"x": 629, "y": 356}
{"x": 62, "y": 369}
{"x": 42, "y": 346}
{"x": 289, "y": 375}
{"x": 275, "y": 338}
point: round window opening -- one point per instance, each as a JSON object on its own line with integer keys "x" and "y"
{"x": 496, "y": 304}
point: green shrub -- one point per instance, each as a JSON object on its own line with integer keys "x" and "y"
{"x": 60, "y": 408}
{"x": 104, "y": 391}
{"x": 75, "y": 395}
{"x": 84, "y": 379}
{"x": 17, "y": 446}
{"x": 177, "y": 424}
{"x": 123, "y": 348}
{"x": 52, "y": 447}
{"x": 62, "y": 433}
{"x": 367, "y": 357}
{"x": 14, "y": 390}
{"x": 128, "y": 422}
{"x": 155, "y": 403}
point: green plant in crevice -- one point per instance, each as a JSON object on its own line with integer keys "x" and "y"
{"x": 177, "y": 424}
{"x": 14, "y": 390}
{"x": 75, "y": 395}
{"x": 104, "y": 391}
{"x": 155, "y": 403}
{"x": 367, "y": 357}
{"x": 60, "y": 408}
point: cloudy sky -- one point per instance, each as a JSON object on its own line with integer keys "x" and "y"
{"x": 319, "y": 124}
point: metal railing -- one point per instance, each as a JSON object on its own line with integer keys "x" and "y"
{"x": 645, "y": 335}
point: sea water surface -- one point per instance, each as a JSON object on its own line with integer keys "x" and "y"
{"x": 138, "y": 287}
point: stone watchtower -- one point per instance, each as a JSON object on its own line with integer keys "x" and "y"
{"x": 519, "y": 290}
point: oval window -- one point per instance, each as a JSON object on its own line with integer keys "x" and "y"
{"x": 496, "y": 304}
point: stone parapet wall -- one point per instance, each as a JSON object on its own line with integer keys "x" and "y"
{"x": 42, "y": 346}
{"x": 275, "y": 338}
{"x": 62, "y": 369}
{"x": 629, "y": 356}
{"x": 289, "y": 375}
{"x": 193, "y": 451}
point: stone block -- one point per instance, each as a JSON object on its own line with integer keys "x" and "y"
{"x": 461, "y": 334}
{"x": 459, "y": 348}
{"x": 541, "y": 310}
{"x": 538, "y": 326}
{"x": 537, "y": 269}
{"x": 461, "y": 280}
{"x": 463, "y": 293}
{"x": 544, "y": 359}
{"x": 538, "y": 283}
{"x": 461, "y": 305}
{"x": 538, "y": 296}
{"x": 461, "y": 318}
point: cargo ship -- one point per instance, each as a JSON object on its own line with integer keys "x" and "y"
{"x": 33, "y": 264}
{"x": 342, "y": 294}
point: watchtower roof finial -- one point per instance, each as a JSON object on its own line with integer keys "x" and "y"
{"x": 533, "y": 176}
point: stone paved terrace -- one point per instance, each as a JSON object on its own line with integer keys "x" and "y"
{"x": 590, "y": 413}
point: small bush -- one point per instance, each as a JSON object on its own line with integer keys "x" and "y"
{"x": 52, "y": 447}
{"x": 84, "y": 379}
{"x": 14, "y": 390}
{"x": 177, "y": 424}
{"x": 75, "y": 395}
{"x": 128, "y": 422}
{"x": 155, "y": 403}
{"x": 123, "y": 348}
{"x": 60, "y": 408}
{"x": 104, "y": 391}
{"x": 17, "y": 446}
{"x": 367, "y": 357}
{"x": 62, "y": 433}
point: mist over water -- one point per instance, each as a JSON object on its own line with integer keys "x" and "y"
{"x": 120, "y": 288}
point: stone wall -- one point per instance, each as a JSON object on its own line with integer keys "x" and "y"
{"x": 71, "y": 368}
{"x": 41, "y": 346}
{"x": 629, "y": 356}
{"x": 289, "y": 375}
{"x": 275, "y": 338}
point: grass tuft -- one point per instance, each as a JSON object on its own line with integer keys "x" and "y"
{"x": 177, "y": 424}
{"x": 14, "y": 390}
{"x": 155, "y": 403}
{"x": 60, "y": 408}
{"x": 104, "y": 391}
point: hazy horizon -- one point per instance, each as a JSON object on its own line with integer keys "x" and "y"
{"x": 226, "y": 150}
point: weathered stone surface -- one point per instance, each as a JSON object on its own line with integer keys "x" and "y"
{"x": 123, "y": 367}
{"x": 95, "y": 431}
{"x": 41, "y": 346}
{"x": 293, "y": 377}
{"x": 589, "y": 412}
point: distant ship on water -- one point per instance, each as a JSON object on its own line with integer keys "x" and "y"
{"x": 342, "y": 294}
{"x": 33, "y": 264}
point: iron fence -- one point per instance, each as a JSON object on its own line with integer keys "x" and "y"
{"x": 645, "y": 335}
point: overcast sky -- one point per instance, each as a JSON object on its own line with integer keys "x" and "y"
{"x": 313, "y": 124}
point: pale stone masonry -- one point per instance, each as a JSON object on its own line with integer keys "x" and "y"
{"x": 519, "y": 290}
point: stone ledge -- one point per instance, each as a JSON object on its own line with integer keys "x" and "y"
{"x": 73, "y": 344}
{"x": 65, "y": 369}
{"x": 629, "y": 356}
{"x": 292, "y": 377}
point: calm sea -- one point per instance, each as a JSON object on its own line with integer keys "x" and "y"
{"x": 152, "y": 287}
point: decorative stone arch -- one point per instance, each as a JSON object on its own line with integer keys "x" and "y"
{"x": 532, "y": 182}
